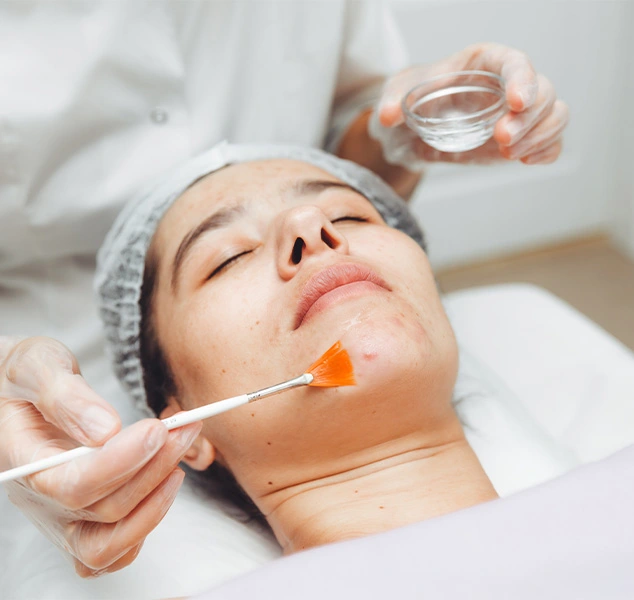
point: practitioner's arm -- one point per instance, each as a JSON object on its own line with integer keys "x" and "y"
{"x": 357, "y": 145}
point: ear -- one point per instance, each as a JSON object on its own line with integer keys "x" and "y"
{"x": 201, "y": 453}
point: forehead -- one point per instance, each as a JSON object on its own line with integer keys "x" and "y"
{"x": 230, "y": 185}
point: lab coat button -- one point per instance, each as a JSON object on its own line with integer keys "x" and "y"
{"x": 159, "y": 115}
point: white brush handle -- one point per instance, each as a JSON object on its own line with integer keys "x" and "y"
{"x": 44, "y": 463}
{"x": 179, "y": 420}
{"x": 205, "y": 411}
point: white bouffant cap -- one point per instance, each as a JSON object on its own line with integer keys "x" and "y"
{"x": 121, "y": 259}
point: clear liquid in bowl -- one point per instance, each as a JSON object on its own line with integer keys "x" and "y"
{"x": 456, "y": 118}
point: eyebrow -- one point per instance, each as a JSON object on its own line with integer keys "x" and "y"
{"x": 315, "y": 186}
{"x": 226, "y": 216}
{"x": 221, "y": 218}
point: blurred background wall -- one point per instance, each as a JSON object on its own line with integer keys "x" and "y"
{"x": 472, "y": 213}
{"x": 623, "y": 226}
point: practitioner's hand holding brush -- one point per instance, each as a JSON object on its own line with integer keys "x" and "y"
{"x": 332, "y": 369}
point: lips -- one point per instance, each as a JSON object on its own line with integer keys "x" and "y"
{"x": 350, "y": 276}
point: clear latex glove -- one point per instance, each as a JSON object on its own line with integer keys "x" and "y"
{"x": 530, "y": 132}
{"x": 98, "y": 508}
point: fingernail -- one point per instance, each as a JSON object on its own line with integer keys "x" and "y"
{"x": 187, "y": 436}
{"x": 97, "y": 423}
{"x": 388, "y": 98}
{"x": 155, "y": 438}
{"x": 176, "y": 478}
{"x": 528, "y": 94}
{"x": 513, "y": 128}
{"x": 171, "y": 488}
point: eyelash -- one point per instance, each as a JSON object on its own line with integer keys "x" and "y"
{"x": 350, "y": 218}
{"x": 226, "y": 263}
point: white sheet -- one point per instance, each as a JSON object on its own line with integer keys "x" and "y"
{"x": 524, "y": 353}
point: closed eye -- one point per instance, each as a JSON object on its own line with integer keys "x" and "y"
{"x": 227, "y": 263}
{"x": 350, "y": 218}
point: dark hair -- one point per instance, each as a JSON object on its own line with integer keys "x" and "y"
{"x": 160, "y": 384}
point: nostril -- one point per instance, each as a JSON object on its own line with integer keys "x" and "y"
{"x": 296, "y": 254}
{"x": 327, "y": 239}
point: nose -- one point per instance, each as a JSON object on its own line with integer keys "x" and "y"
{"x": 305, "y": 232}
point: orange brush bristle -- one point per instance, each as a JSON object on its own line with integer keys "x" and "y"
{"x": 332, "y": 369}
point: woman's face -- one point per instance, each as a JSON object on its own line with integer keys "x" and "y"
{"x": 262, "y": 266}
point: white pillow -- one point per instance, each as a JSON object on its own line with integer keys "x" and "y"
{"x": 515, "y": 452}
{"x": 576, "y": 380}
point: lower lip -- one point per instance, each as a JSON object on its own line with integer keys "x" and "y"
{"x": 340, "y": 294}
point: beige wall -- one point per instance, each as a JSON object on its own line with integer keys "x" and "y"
{"x": 623, "y": 226}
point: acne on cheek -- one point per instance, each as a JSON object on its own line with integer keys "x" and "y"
{"x": 370, "y": 350}
{"x": 377, "y": 347}
{"x": 414, "y": 328}
{"x": 369, "y": 355}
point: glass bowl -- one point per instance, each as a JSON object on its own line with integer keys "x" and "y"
{"x": 456, "y": 112}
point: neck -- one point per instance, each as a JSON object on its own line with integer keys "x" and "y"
{"x": 409, "y": 483}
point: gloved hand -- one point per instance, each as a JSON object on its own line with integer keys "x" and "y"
{"x": 98, "y": 508}
{"x": 531, "y": 131}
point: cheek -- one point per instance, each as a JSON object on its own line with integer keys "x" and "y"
{"x": 217, "y": 354}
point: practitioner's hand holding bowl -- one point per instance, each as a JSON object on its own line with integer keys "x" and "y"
{"x": 530, "y": 132}
{"x": 99, "y": 508}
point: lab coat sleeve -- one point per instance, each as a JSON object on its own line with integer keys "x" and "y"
{"x": 569, "y": 538}
{"x": 373, "y": 50}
